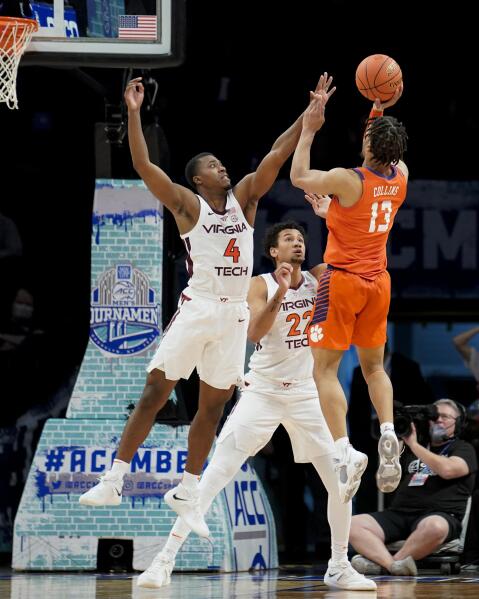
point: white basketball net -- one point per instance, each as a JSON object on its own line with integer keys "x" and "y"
{"x": 15, "y": 35}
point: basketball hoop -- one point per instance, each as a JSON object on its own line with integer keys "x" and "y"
{"x": 15, "y": 35}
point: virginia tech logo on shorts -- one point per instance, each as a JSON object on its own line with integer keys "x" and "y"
{"x": 124, "y": 317}
{"x": 316, "y": 333}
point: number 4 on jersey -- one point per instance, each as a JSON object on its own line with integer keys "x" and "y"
{"x": 232, "y": 250}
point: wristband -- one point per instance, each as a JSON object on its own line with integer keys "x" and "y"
{"x": 374, "y": 114}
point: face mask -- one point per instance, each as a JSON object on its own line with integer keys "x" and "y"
{"x": 438, "y": 433}
{"x": 22, "y": 311}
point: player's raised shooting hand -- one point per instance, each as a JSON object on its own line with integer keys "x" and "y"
{"x": 378, "y": 105}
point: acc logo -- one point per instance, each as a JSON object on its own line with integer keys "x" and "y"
{"x": 124, "y": 316}
{"x": 316, "y": 332}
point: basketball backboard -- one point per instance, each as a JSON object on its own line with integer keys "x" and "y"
{"x": 107, "y": 33}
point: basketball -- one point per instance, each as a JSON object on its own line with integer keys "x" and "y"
{"x": 378, "y": 76}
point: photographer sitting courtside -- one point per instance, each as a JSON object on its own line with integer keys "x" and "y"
{"x": 429, "y": 503}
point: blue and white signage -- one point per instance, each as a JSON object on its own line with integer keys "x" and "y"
{"x": 125, "y": 316}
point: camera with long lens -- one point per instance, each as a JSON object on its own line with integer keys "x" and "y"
{"x": 404, "y": 416}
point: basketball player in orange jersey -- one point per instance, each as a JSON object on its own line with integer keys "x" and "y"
{"x": 210, "y": 327}
{"x": 354, "y": 292}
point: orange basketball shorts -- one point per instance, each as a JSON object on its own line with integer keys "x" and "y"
{"x": 350, "y": 310}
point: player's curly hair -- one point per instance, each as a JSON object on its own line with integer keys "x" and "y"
{"x": 190, "y": 168}
{"x": 271, "y": 235}
{"x": 388, "y": 139}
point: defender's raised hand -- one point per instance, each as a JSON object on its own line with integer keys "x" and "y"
{"x": 314, "y": 115}
{"x": 320, "y": 203}
{"x": 323, "y": 86}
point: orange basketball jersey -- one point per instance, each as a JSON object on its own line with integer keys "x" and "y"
{"x": 358, "y": 235}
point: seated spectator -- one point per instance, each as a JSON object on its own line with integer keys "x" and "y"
{"x": 429, "y": 504}
{"x": 467, "y": 351}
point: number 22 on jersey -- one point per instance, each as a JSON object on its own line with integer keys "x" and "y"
{"x": 386, "y": 211}
{"x": 295, "y": 318}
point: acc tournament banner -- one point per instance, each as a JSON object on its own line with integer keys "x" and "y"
{"x": 125, "y": 315}
{"x": 251, "y": 522}
{"x": 54, "y": 532}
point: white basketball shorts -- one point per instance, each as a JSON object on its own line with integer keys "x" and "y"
{"x": 207, "y": 334}
{"x": 263, "y": 406}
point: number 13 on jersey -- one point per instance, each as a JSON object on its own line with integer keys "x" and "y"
{"x": 386, "y": 210}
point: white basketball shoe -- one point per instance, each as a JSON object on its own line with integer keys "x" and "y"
{"x": 158, "y": 574}
{"x": 186, "y": 503}
{"x": 389, "y": 469}
{"x": 106, "y": 492}
{"x": 350, "y": 465}
{"x": 343, "y": 576}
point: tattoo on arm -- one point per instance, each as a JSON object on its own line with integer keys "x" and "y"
{"x": 276, "y": 303}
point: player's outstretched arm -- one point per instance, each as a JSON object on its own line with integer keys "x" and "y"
{"x": 255, "y": 185}
{"x": 338, "y": 181}
{"x": 302, "y": 175}
{"x": 178, "y": 199}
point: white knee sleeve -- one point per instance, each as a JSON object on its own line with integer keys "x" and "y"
{"x": 339, "y": 514}
{"x": 225, "y": 463}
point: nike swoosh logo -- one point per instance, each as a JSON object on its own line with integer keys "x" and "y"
{"x": 241, "y": 319}
{"x": 210, "y": 213}
{"x": 179, "y": 498}
{"x": 118, "y": 492}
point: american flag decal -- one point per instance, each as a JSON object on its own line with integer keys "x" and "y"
{"x": 137, "y": 27}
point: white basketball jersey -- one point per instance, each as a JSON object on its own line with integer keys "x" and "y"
{"x": 220, "y": 251}
{"x": 283, "y": 354}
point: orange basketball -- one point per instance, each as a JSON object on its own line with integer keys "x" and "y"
{"x": 378, "y": 76}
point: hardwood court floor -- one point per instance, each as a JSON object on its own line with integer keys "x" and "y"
{"x": 217, "y": 586}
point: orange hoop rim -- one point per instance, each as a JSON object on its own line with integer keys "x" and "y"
{"x": 23, "y": 23}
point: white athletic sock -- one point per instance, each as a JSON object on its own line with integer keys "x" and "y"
{"x": 386, "y": 426}
{"x": 339, "y": 514}
{"x": 120, "y": 468}
{"x": 339, "y": 553}
{"x": 177, "y": 537}
{"x": 225, "y": 463}
{"x": 190, "y": 481}
{"x": 341, "y": 444}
